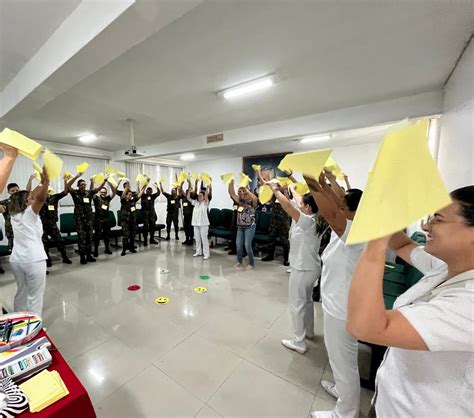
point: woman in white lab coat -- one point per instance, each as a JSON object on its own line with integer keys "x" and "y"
{"x": 428, "y": 369}
{"x": 305, "y": 262}
{"x": 339, "y": 260}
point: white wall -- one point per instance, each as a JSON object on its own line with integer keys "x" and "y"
{"x": 456, "y": 149}
{"x": 215, "y": 168}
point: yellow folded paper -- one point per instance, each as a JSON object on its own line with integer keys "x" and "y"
{"x": 110, "y": 170}
{"x": 244, "y": 180}
{"x": 111, "y": 180}
{"x": 309, "y": 163}
{"x": 68, "y": 175}
{"x": 44, "y": 389}
{"x": 194, "y": 176}
{"x": 302, "y": 188}
{"x": 25, "y": 146}
{"x": 121, "y": 174}
{"x": 53, "y": 164}
{"x": 175, "y": 183}
{"x": 50, "y": 190}
{"x": 333, "y": 166}
{"x": 81, "y": 168}
{"x": 257, "y": 167}
{"x": 98, "y": 178}
{"x": 141, "y": 179}
{"x": 156, "y": 185}
{"x": 226, "y": 178}
{"x": 284, "y": 181}
{"x": 163, "y": 180}
{"x": 206, "y": 178}
{"x": 182, "y": 177}
{"x": 265, "y": 194}
{"x": 403, "y": 187}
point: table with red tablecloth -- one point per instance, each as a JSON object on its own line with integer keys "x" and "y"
{"x": 76, "y": 404}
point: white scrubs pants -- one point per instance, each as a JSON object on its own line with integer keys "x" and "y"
{"x": 202, "y": 241}
{"x": 342, "y": 351}
{"x": 31, "y": 281}
{"x": 300, "y": 302}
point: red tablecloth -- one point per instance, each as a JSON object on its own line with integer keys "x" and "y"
{"x": 76, "y": 404}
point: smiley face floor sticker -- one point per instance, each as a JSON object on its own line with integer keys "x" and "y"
{"x": 164, "y": 271}
{"x": 162, "y": 300}
{"x": 200, "y": 290}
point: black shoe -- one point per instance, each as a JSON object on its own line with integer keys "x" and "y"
{"x": 2, "y": 271}
{"x": 286, "y": 263}
{"x": 96, "y": 252}
{"x": 107, "y": 251}
{"x": 167, "y": 238}
{"x": 145, "y": 244}
{"x": 269, "y": 257}
{"x": 83, "y": 259}
{"x": 66, "y": 260}
{"x": 185, "y": 242}
{"x": 190, "y": 242}
{"x": 177, "y": 238}
{"x": 47, "y": 272}
{"x": 91, "y": 259}
{"x": 48, "y": 262}
{"x": 232, "y": 252}
{"x": 132, "y": 250}
{"x": 153, "y": 241}
{"x": 123, "y": 252}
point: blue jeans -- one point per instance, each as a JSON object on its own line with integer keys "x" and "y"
{"x": 245, "y": 236}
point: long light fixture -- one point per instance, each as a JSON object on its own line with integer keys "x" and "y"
{"x": 315, "y": 138}
{"x": 187, "y": 157}
{"x": 248, "y": 87}
{"x": 86, "y": 138}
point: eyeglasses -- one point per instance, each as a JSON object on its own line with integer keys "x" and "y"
{"x": 434, "y": 219}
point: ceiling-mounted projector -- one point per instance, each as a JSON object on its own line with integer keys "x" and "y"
{"x": 134, "y": 152}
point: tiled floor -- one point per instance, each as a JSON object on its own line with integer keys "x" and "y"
{"x": 205, "y": 355}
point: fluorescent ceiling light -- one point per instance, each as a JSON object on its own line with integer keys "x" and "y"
{"x": 187, "y": 157}
{"x": 315, "y": 138}
{"x": 87, "y": 138}
{"x": 248, "y": 87}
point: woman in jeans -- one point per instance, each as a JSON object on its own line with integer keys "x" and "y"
{"x": 245, "y": 223}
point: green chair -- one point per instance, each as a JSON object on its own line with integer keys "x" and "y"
{"x": 67, "y": 225}
{"x": 263, "y": 227}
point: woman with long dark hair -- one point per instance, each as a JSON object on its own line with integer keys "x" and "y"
{"x": 427, "y": 370}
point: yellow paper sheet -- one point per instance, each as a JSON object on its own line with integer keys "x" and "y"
{"x": 309, "y": 163}
{"x": 226, "y": 178}
{"x": 302, "y": 188}
{"x": 110, "y": 170}
{"x": 265, "y": 194}
{"x": 283, "y": 181}
{"x": 98, "y": 178}
{"x": 403, "y": 187}
{"x": 81, "y": 168}
{"x": 53, "y": 164}
{"x": 141, "y": 179}
{"x": 206, "y": 178}
{"x": 26, "y": 146}
{"x": 50, "y": 190}
{"x": 156, "y": 185}
{"x": 182, "y": 177}
{"x": 68, "y": 175}
{"x": 333, "y": 166}
{"x": 163, "y": 180}
{"x": 121, "y": 174}
{"x": 111, "y": 180}
{"x": 257, "y": 167}
{"x": 244, "y": 180}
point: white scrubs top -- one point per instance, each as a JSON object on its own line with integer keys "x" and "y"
{"x": 200, "y": 217}
{"x": 339, "y": 262}
{"x": 304, "y": 244}
{"x": 438, "y": 382}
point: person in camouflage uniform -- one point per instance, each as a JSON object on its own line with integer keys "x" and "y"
{"x": 172, "y": 212}
{"x": 149, "y": 214}
{"x": 128, "y": 218}
{"x": 49, "y": 219}
{"x": 83, "y": 216}
{"x": 188, "y": 215}
{"x": 101, "y": 218}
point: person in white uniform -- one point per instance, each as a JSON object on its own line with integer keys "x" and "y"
{"x": 200, "y": 222}
{"x": 428, "y": 369}
{"x": 305, "y": 263}
{"x": 339, "y": 261}
{"x": 28, "y": 258}
{"x": 6, "y": 164}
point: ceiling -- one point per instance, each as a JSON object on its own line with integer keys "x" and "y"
{"x": 25, "y": 25}
{"x": 328, "y": 55}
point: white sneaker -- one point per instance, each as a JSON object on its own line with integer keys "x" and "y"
{"x": 238, "y": 265}
{"x": 206, "y": 257}
{"x": 249, "y": 268}
{"x": 299, "y": 347}
{"x": 288, "y": 270}
{"x": 197, "y": 255}
{"x": 322, "y": 414}
{"x": 330, "y": 388}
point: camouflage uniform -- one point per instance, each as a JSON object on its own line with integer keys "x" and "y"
{"x": 128, "y": 220}
{"x": 172, "y": 214}
{"x": 188, "y": 209}
{"x": 279, "y": 232}
{"x": 149, "y": 216}
{"x": 49, "y": 219}
{"x": 101, "y": 223}
{"x": 8, "y": 224}
{"x": 84, "y": 219}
